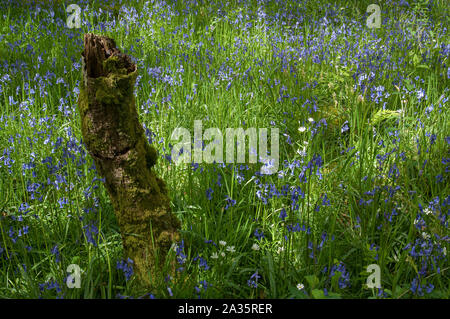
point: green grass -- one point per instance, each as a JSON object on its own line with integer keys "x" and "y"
{"x": 385, "y": 178}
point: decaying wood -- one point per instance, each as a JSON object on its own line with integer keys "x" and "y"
{"x": 116, "y": 141}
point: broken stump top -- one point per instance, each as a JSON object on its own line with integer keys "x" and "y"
{"x": 98, "y": 49}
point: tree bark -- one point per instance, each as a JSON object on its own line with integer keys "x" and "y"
{"x": 116, "y": 141}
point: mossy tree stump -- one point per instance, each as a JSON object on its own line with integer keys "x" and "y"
{"x": 116, "y": 141}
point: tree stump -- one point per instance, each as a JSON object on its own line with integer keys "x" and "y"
{"x": 116, "y": 141}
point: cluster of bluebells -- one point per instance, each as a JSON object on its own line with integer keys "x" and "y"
{"x": 51, "y": 285}
{"x": 202, "y": 263}
{"x": 55, "y": 252}
{"x": 429, "y": 250}
{"x": 259, "y": 234}
{"x": 418, "y": 288}
{"x": 341, "y": 271}
{"x": 180, "y": 255}
{"x": 91, "y": 233}
{"x": 145, "y": 296}
{"x": 229, "y": 202}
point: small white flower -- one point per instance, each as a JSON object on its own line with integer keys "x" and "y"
{"x": 301, "y": 129}
{"x": 214, "y": 256}
{"x": 231, "y": 249}
{"x": 300, "y": 286}
{"x": 222, "y": 243}
{"x": 427, "y": 211}
{"x": 222, "y": 254}
{"x": 255, "y": 246}
{"x": 311, "y": 119}
{"x": 425, "y": 235}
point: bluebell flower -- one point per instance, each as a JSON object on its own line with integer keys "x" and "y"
{"x": 283, "y": 214}
{"x": 209, "y": 193}
{"x": 344, "y": 279}
{"x": 416, "y": 287}
{"x": 90, "y": 230}
{"x": 55, "y": 251}
{"x": 181, "y": 257}
{"x": 11, "y": 234}
{"x": 219, "y": 178}
{"x": 230, "y": 202}
{"x": 62, "y": 201}
{"x": 24, "y": 208}
{"x": 258, "y": 235}
{"x": 202, "y": 262}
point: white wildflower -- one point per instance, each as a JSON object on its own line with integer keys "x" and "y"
{"x": 425, "y": 235}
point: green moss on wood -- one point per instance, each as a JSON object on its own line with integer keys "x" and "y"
{"x": 117, "y": 142}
